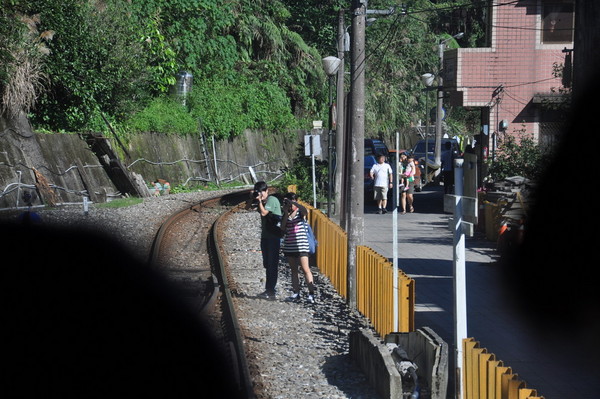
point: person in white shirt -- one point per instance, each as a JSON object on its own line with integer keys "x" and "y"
{"x": 382, "y": 174}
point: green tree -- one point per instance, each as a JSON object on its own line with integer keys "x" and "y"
{"x": 96, "y": 62}
{"x": 399, "y": 48}
{"x": 162, "y": 63}
{"x": 113, "y": 57}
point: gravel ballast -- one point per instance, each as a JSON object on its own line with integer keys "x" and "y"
{"x": 296, "y": 349}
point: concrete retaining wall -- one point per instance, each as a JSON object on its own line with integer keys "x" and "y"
{"x": 179, "y": 159}
{"x": 140, "y": 159}
{"x": 430, "y": 353}
{"x": 375, "y": 360}
{"x": 53, "y": 157}
{"x": 424, "y": 347}
{"x": 73, "y": 167}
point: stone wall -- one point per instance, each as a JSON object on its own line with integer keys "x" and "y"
{"x": 102, "y": 167}
{"x": 73, "y": 168}
{"x": 36, "y": 163}
{"x": 182, "y": 160}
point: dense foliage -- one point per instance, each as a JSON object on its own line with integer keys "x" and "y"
{"x": 256, "y": 63}
{"x": 518, "y": 155}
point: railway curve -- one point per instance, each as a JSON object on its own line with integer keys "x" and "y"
{"x": 188, "y": 251}
{"x": 293, "y": 349}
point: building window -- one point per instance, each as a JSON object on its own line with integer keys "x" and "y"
{"x": 558, "y": 19}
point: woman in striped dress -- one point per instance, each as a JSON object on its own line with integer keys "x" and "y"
{"x": 295, "y": 245}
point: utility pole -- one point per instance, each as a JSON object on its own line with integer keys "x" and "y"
{"x": 440, "y": 103}
{"x": 437, "y": 152}
{"x": 340, "y": 131}
{"x": 356, "y": 153}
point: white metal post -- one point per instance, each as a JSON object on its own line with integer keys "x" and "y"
{"x": 460, "y": 289}
{"x": 395, "y": 234}
{"x": 314, "y": 178}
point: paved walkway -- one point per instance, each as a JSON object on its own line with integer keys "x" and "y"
{"x": 425, "y": 250}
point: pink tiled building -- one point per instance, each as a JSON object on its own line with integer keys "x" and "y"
{"x": 513, "y": 78}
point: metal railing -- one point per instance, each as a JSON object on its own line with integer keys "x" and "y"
{"x": 375, "y": 292}
{"x": 374, "y": 280}
{"x": 486, "y": 377}
{"x": 332, "y": 252}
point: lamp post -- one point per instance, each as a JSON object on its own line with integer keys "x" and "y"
{"x": 331, "y": 66}
{"x": 440, "y": 101}
{"x": 427, "y": 80}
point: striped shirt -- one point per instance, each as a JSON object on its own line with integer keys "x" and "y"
{"x": 296, "y": 236}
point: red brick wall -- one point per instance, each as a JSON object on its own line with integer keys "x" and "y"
{"x": 517, "y": 60}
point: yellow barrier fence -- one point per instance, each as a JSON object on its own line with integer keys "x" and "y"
{"x": 332, "y": 252}
{"x": 375, "y": 292}
{"x": 485, "y": 377}
{"x": 374, "y": 280}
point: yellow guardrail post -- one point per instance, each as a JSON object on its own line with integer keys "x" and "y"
{"x": 374, "y": 274}
{"x": 331, "y": 256}
{"x": 375, "y": 292}
{"x": 468, "y": 346}
{"x": 484, "y": 377}
{"x": 484, "y": 363}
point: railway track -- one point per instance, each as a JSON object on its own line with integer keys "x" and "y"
{"x": 187, "y": 250}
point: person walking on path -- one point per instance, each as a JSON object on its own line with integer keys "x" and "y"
{"x": 295, "y": 245}
{"x": 382, "y": 174}
{"x": 407, "y": 172}
{"x": 269, "y": 208}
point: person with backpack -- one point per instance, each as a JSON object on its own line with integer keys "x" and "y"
{"x": 269, "y": 208}
{"x": 296, "y": 245}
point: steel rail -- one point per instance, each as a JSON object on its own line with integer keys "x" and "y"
{"x": 231, "y": 329}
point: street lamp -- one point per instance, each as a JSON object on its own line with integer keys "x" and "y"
{"x": 331, "y": 66}
{"x": 440, "y": 101}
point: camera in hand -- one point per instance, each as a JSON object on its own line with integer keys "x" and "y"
{"x": 255, "y": 194}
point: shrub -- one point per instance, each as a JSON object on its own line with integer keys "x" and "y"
{"x": 164, "y": 115}
{"x": 518, "y": 155}
{"x": 225, "y": 109}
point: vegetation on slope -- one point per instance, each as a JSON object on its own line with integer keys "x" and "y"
{"x": 255, "y": 64}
